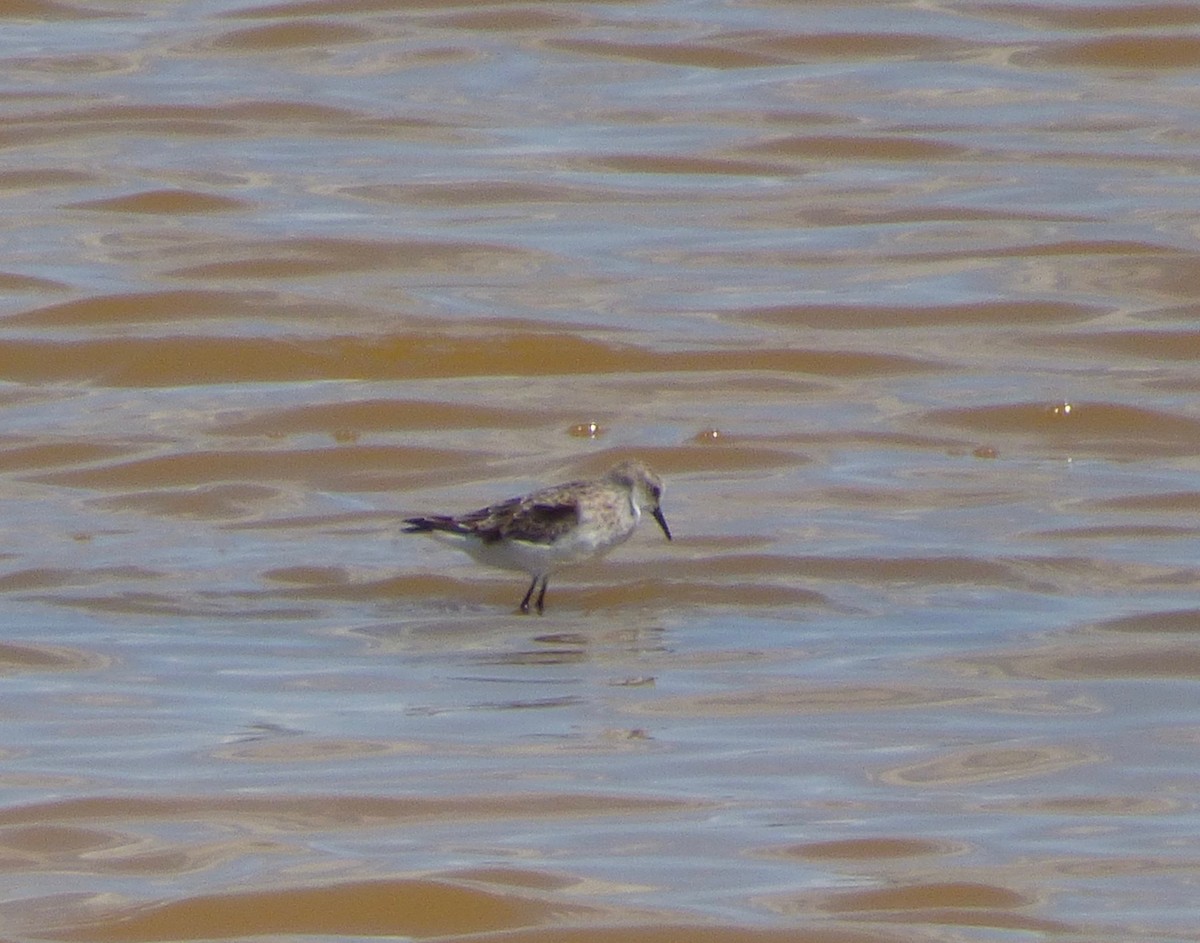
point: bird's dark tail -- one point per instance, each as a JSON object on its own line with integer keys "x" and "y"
{"x": 425, "y": 525}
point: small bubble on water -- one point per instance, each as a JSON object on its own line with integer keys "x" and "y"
{"x": 586, "y": 430}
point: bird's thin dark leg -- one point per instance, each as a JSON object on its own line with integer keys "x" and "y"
{"x": 529, "y": 595}
{"x": 541, "y": 600}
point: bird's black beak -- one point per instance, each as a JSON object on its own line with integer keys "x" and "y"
{"x": 662, "y": 521}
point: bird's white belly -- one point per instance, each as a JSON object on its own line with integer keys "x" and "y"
{"x": 579, "y": 544}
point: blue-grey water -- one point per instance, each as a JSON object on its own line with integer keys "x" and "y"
{"x": 899, "y": 298}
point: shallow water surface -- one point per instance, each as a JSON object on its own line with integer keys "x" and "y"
{"x": 900, "y": 300}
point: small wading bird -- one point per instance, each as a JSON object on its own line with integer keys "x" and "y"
{"x": 553, "y": 527}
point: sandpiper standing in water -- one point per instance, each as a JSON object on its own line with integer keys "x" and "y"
{"x": 553, "y": 527}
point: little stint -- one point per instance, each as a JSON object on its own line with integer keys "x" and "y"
{"x": 553, "y": 527}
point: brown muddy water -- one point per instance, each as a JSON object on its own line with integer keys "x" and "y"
{"x": 900, "y": 298}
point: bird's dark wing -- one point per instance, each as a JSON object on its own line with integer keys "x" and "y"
{"x": 534, "y": 519}
{"x": 538, "y": 522}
